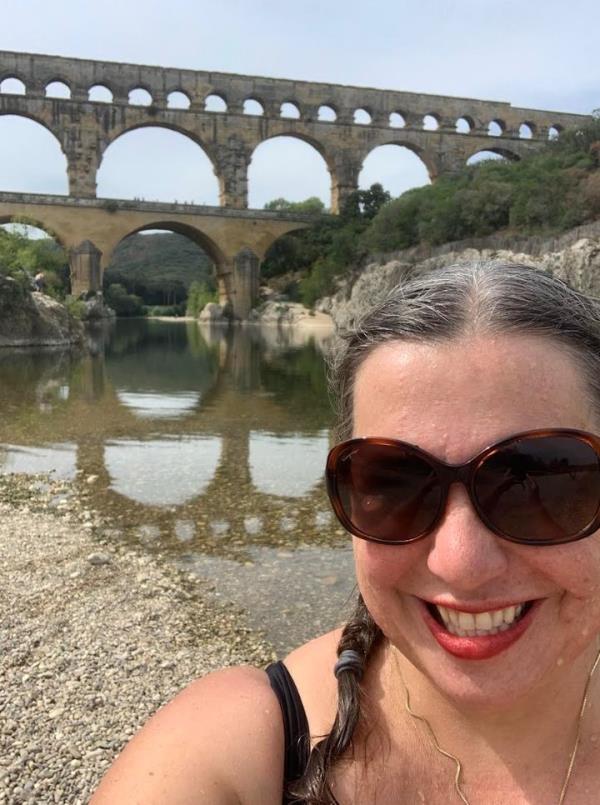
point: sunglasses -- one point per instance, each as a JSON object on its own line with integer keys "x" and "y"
{"x": 540, "y": 487}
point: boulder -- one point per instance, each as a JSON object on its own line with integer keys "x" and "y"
{"x": 212, "y": 313}
{"x": 34, "y": 319}
{"x": 96, "y": 309}
{"x": 289, "y": 314}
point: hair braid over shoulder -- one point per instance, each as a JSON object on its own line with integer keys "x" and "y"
{"x": 360, "y": 634}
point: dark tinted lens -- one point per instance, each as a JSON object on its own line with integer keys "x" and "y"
{"x": 545, "y": 488}
{"x": 387, "y": 492}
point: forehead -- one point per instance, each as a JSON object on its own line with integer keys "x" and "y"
{"x": 455, "y": 398}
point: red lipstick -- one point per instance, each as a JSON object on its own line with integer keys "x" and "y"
{"x": 480, "y": 647}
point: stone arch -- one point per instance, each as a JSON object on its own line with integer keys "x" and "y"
{"x": 178, "y": 99}
{"x": 422, "y": 153}
{"x": 117, "y": 133}
{"x": 12, "y": 77}
{"x": 253, "y": 106}
{"x": 500, "y": 151}
{"x": 496, "y": 128}
{"x": 363, "y": 116}
{"x": 397, "y": 120}
{"x": 60, "y": 237}
{"x": 205, "y": 148}
{"x": 315, "y": 144}
{"x": 290, "y": 109}
{"x": 145, "y": 100}
{"x": 215, "y": 102}
{"x": 431, "y": 121}
{"x": 22, "y": 153}
{"x": 198, "y": 237}
{"x": 58, "y": 84}
{"x": 417, "y": 170}
{"x": 554, "y": 131}
{"x": 102, "y": 87}
{"x": 54, "y": 278}
{"x": 527, "y": 130}
{"x": 35, "y": 119}
{"x": 465, "y": 124}
{"x": 327, "y": 113}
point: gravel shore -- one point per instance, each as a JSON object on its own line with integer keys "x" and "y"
{"x": 94, "y": 638}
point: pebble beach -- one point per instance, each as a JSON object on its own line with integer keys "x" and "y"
{"x": 95, "y": 636}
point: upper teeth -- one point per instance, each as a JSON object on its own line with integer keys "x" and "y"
{"x": 470, "y": 624}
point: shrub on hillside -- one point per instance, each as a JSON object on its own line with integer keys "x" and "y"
{"x": 123, "y": 303}
{"x": 199, "y": 295}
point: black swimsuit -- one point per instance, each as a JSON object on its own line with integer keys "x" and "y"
{"x": 295, "y": 724}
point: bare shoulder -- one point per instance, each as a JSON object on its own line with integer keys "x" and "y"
{"x": 219, "y": 741}
{"x": 311, "y": 667}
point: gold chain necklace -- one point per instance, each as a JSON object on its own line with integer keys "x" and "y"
{"x": 457, "y": 776}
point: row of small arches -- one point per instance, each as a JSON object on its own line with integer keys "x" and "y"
{"x": 216, "y": 103}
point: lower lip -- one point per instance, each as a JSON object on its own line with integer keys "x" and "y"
{"x": 481, "y": 647}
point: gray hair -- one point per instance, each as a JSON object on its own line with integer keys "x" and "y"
{"x": 475, "y": 297}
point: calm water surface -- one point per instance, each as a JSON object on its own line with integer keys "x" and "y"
{"x": 208, "y": 446}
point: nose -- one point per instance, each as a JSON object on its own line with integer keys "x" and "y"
{"x": 463, "y": 552}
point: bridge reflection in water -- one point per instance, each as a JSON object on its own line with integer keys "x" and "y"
{"x": 207, "y": 446}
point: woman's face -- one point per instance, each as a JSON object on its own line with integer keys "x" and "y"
{"x": 453, "y": 400}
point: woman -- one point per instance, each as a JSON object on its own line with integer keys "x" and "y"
{"x": 467, "y": 671}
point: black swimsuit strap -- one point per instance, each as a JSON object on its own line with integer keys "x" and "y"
{"x": 295, "y": 724}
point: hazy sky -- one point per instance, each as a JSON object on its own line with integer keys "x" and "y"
{"x": 536, "y": 53}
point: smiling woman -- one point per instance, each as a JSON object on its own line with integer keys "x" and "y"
{"x": 468, "y": 473}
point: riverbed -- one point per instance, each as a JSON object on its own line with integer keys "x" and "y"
{"x": 95, "y": 637}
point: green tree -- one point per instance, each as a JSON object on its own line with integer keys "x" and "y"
{"x": 199, "y": 295}
{"x": 310, "y": 206}
{"x": 123, "y": 303}
{"x": 22, "y": 257}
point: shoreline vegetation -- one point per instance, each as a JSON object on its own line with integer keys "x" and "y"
{"x": 96, "y": 636}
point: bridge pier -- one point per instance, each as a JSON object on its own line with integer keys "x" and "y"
{"x": 239, "y": 283}
{"x": 86, "y": 271}
{"x": 83, "y": 160}
{"x": 231, "y": 169}
{"x": 344, "y": 181}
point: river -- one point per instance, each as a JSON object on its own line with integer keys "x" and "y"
{"x": 203, "y": 447}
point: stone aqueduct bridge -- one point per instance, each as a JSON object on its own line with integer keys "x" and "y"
{"x": 86, "y": 128}
{"x": 90, "y": 229}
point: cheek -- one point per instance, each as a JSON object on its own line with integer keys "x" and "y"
{"x": 574, "y": 571}
{"x": 575, "y": 568}
{"x": 384, "y": 570}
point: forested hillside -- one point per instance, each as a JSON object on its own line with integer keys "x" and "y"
{"x": 159, "y": 268}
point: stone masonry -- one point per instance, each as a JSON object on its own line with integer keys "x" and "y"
{"x": 344, "y": 124}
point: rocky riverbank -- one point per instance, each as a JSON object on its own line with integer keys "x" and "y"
{"x": 95, "y": 637}
{"x": 573, "y": 256}
{"x": 34, "y": 319}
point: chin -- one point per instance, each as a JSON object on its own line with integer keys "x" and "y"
{"x": 475, "y": 674}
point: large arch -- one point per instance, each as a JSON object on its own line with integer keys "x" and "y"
{"x": 49, "y": 251}
{"x": 498, "y": 151}
{"x": 397, "y": 166}
{"x": 284, "y": 165}
{"x": 32, "y": 159}
{"x": 198, "y": 237}
{"x": 221, "y": 265}
{"x": 179, "y": 167}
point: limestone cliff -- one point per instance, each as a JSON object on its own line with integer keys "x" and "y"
{"x": 574, "y": 256}
{"x": 34, "y": 319}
